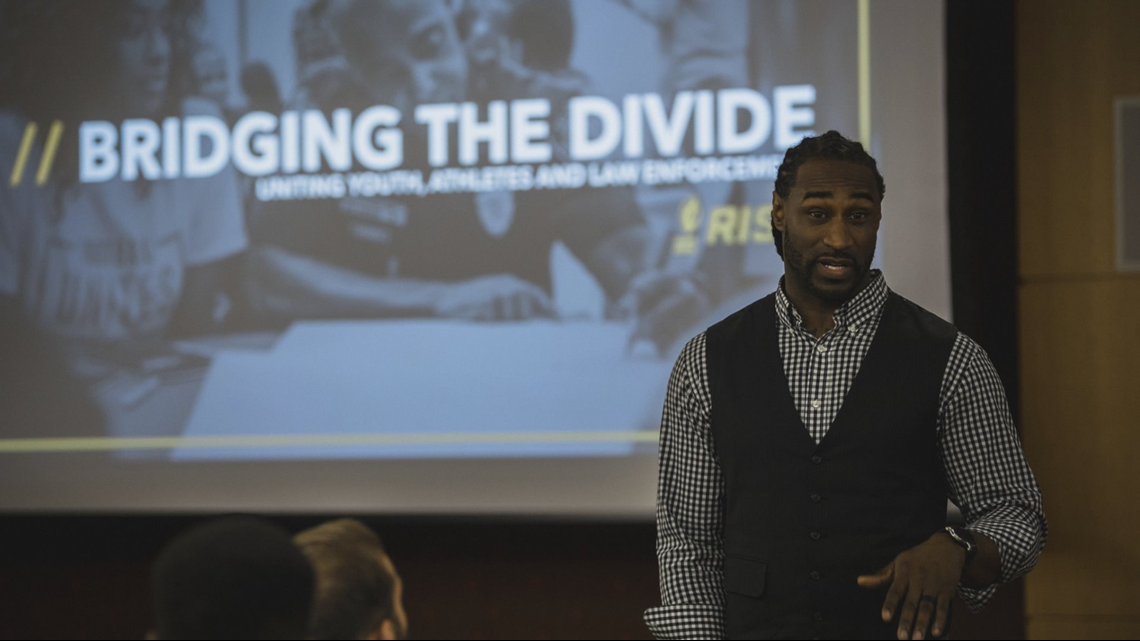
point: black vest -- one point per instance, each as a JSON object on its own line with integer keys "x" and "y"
{"x": 803, "y": 520}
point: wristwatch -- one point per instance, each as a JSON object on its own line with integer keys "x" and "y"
{"x": 964, "y": 538}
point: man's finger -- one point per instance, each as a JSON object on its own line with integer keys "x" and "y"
{"x": 894, "y": 595}
{"x": 540, "y": 301}
{"x": 484, "y": 311}
{"x": 926, "y": 607}
{"x": 505, "y": 308}
{"x": 467, "y": 312}
{"x": 878, "y": 579}
{"x": 942, "y": 617}
{"x": 908, "y": 612}
{"x": 524, "y": 307}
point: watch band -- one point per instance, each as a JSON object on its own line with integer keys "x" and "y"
{"x": 964, "y": 538}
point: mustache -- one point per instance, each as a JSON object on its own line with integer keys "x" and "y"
{"x": 837, "y": 256}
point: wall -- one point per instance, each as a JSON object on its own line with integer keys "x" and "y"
{"x": 1079, "y": 319}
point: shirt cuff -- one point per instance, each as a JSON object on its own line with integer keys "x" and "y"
{"x": 685, "y": 621}
{"x": 1018, "y": 549}
{"x": 976, "y": 600}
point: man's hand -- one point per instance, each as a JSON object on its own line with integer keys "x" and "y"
{"x": 489, "y": 298}
{"x": 923, "y": 580}
{"x": 666, "y": 305}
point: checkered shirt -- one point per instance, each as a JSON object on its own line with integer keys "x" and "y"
{"x": 981, "y": 456}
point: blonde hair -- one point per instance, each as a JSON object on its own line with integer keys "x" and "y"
{"x": 355, "y": 585}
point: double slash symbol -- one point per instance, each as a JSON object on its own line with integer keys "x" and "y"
{"x": 50, "y": 148}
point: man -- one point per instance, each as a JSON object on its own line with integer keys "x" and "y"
{"x": 232, "y": 578}
{"x": 483, "y": 256}
{"x": 359, "y": 593}
{"x": 810, "y": 442}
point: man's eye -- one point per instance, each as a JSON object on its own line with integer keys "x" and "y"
{"x": 859, "y": 216}
{"x": 428, "y": 44}
{"x": 817, "y": 213}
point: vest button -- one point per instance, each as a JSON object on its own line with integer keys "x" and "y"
{"x": 815, "y": 536}
{"x": 814, "y": 575}
{"x": 817, "y": 459}
{"x": 818, "y": 616}
{"x": 815, "y": 498}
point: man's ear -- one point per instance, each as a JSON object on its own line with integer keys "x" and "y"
{"x": 386, "y": 632}
{"x": 778, "y": 222}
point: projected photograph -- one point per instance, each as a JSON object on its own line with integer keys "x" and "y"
{"x": 272, "y": 229}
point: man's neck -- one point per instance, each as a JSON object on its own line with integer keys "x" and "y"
{"x": 818, "y": 315}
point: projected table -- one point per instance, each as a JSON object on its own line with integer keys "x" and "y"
{"x": 430, "y": 389}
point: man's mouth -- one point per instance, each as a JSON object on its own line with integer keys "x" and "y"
{"x": 835, "y": 268}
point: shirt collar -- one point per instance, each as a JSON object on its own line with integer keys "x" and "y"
{"x": 853, "y": 315}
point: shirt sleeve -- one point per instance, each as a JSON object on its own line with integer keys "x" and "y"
{"x": 986, "y": 470}
{"x": 690, "y": 512}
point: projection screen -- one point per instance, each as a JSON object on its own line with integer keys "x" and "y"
{"x": 411, "y": 257}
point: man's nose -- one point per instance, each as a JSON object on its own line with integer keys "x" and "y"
{"x": 838, "y": 235}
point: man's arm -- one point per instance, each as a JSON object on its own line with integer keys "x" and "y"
{"x": 667, "y": 303}
{"x": 991, "y": 482}
{"x": 281, "y": 284}
{"x": 988, "y": 476}
{"x": 203, "y": 286}
{"x": 690, "y": 516}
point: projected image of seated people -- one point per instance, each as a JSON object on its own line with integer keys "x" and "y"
{"x": 422, "y": 229}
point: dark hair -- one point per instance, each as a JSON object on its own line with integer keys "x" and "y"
{"x": 260, "y": 87}
{"x": 355, "y": 590}
{"x": 58, "y": 54}
{"x": 232, "y": 578}
{"x": 546, "y": 31}
{"x": 829, "y": 146}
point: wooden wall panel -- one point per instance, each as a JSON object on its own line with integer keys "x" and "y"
{"x": 1080, "y": 363}
{"x": 1081, "y": 402}
{"x": 1079, "y": 319}
{"x": 1074, "y": 58}
{"x": 1084, "y": 628}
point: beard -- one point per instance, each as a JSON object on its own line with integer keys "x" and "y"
{"x": 805, "y": 271}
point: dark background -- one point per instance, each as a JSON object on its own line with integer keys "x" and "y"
{"x": 86, "y": 576}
